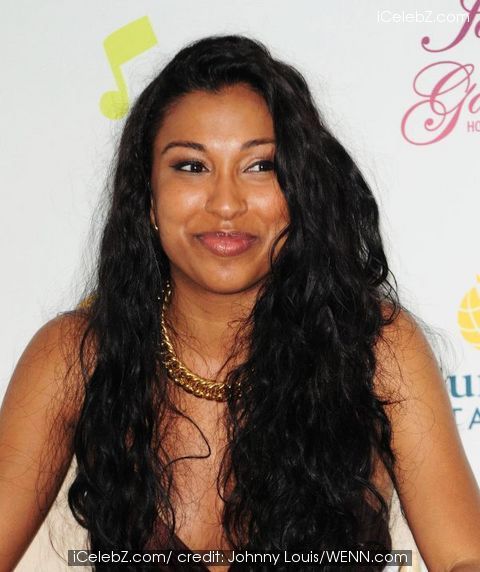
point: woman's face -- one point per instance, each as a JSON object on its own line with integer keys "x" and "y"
{"x": 213, "y": 172}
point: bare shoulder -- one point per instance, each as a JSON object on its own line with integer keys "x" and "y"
{"x": 436, "y": 486}
{"x": 409, "y": 379}
{"x": 49, "y": 367}
{"x": 37, "y": 420}
{"x": 401, "y": 343}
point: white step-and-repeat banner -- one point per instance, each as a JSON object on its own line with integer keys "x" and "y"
{"x": 396, "y": 81}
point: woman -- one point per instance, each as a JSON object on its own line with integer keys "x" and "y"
{"x": 243, "y": 375}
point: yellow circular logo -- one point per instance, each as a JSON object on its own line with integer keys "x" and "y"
{"x": 469, "y": 316}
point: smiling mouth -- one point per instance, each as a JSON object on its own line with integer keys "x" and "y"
{"x": 227, "y": 243}
{"x": 233, "y": 233}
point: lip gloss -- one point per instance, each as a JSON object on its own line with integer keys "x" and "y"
{"x": 226, "y": 244}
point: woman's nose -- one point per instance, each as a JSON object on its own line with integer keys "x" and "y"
{"x": 226, "y": 196}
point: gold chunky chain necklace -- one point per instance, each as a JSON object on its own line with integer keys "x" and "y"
{"x": 180, "y": 374}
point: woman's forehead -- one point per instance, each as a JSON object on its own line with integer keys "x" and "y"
{"x": 234, "y": 112}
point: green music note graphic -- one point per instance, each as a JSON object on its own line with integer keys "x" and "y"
{"x": 121, "y": 46}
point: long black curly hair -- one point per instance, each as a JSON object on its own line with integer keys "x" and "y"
{"x": 304, "y": 436}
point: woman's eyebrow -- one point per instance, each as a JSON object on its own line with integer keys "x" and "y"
{"x": 202, "y": 148}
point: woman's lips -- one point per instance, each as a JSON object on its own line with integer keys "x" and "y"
{"x": 227, "y": 244}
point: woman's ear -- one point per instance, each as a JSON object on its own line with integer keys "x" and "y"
{"x": 152, "y": 213}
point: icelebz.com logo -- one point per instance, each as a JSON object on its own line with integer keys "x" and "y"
{"x": 372, "y": 554}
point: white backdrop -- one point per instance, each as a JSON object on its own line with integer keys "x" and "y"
{"x": 360, "y": 58}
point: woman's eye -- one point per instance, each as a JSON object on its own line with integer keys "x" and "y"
{"x": 199, "y": 167}
{"x": 190, "y": 166}
{"x": 261, "y": 166}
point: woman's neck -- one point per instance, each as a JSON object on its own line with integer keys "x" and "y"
{"x": 207, "y": 324}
